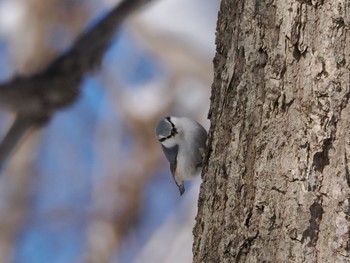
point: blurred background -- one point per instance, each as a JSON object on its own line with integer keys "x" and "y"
{"x": 93, "y": 185}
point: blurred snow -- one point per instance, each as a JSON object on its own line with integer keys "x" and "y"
{"x": 172, "y": 242}
{"x": 191, "y": 22}
{"x": 11, "y": 16}
{"x": 96, "y": 186}
{"x": 148, "y": 101}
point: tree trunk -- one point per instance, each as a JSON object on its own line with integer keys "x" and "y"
{"x": 276, "y": 180}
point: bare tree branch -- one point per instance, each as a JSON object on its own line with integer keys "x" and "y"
{"x": 57, "y": 86}
{"x": 40, "y": 95}
{"x": 19, "y": 128}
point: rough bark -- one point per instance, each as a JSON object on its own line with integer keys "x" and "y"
{"x": 276, "y": 177}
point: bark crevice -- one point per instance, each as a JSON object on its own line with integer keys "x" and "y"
{"x": 321, "y": 159}
{"x": 246, "y": 246}
{"x": 311, "y": 233}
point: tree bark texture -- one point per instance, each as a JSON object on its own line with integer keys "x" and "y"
{"x": 276, "y": 178}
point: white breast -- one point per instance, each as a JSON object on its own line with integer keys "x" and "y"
{"x": 169, "y": 143}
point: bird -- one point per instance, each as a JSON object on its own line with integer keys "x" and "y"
{"x": 183, "y": 141}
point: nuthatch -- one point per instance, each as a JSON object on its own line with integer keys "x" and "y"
{"x": 183, "y": 143}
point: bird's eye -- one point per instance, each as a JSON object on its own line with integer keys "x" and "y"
{"x": 162, "y": 139}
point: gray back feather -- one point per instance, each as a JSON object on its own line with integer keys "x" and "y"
{"x": 199, "y": 143}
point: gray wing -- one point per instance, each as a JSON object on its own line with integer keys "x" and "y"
{"x": 171, "y": 155}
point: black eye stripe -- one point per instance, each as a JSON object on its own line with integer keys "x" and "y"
{"x": 168, "y": 137}
{"x": 172, "y": 124}
{"x": 173, "y": 131}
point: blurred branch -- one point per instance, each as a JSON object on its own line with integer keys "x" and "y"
{"x": 19, "y": 128}
{"x": 40, "y": 95}
{"x": 111, "y": 221}
{"x": 182, "y": 59}
{"x": 16, "y": 187}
